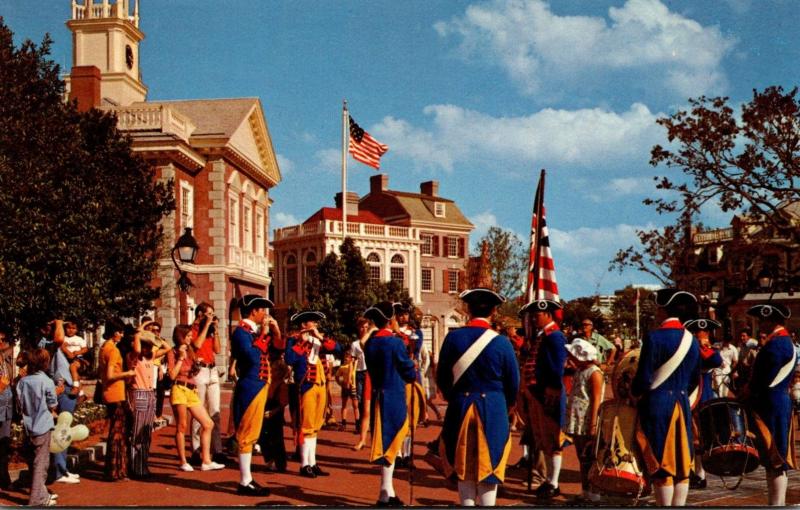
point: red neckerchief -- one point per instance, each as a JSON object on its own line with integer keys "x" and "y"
{"x": 706, "y": 351}
{"x": 550, "y": 328}
{"x": 261, "y": 343}
{"x": 671, "y": 323}
{"x": 384, "y": 332}
{"x": 779, "y": 331}
{"x": 479, "y": 323}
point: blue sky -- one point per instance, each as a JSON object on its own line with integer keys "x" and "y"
{"x": 478, "y": 95}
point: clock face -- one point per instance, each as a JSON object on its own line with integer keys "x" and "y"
{"x": 129, "y": 56}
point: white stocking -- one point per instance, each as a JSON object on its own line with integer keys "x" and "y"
{"x": 312, "y": 453}
{"x": 776, "y": 487}
{"x": 698, "y": 467}
{"x": 680, "y": 492}
{"x": 405, "y": 450}
{"x": 555, "y": 469}
{"x": 525, "y": 451}
{"x": 244, "y": 468}
{"x": 305, "y": 452}
{"x": 387, "y": 488}
{"x": 487, "y": 494}
{"x": 663, "y": 494}
{"x": 466, "y": 492}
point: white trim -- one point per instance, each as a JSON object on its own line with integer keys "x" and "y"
{"x": 472, "y": 353}
{"x": 785, "y": 370}
{"x": 663, "y": 372}
{"x": 185, "y": 186}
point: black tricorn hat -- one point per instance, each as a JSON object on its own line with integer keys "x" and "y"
{"x": 307, "y": 315}
{"x": 540, "y": 305}
{"x": 769, "y": 311}
{"x": 666, "y": 297}
{"x": 695, "y": 325}
{"x": 401, "y": 308}
{"x": 481, "y": 295}
{"x": 255, "y": 301}
{"x": 379, "y": 312}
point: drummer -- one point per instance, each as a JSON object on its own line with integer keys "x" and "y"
{"x": 670, "y": 357}
{"x": 767, "y": 397}
{"x": 700, "y": 389}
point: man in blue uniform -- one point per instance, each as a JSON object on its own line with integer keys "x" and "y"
{"x": 700, "y": 389}
{"x": 412, "y": 339}
{"x": 304, "y": 354}
{"x": 250, "y": 344}
{"x": 478, "y": 375}
{"x": 669, "y": 361}
{"x": 549, "y": 399}
{"x": 392, "y": 373}
{"x": 767, "y": 398}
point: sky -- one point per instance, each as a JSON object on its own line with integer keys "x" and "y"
{"x": 477, "y": 95}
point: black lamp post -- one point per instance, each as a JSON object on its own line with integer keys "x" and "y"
{"x": 187, "y": 247}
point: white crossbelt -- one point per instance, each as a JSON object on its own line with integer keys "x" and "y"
{"x": 471, "y": 354}
{"x": 664, "y": 371}
{"x": 785, "y": 369}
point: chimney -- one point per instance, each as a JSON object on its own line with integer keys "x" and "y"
{"x": 352, "y": 202}
{"x": 84, "y": 85}
{"x": 378, "y": 183}
{"x": 430, "y": 188}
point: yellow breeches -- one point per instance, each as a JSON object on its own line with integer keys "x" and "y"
{"x": 250, "y": 425}
{"x": 472, "y": 460}
{"x": 312, "y": 404}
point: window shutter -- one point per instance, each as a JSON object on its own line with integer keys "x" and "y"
{"x": 445, "y": 281}
{"x": 435, "y": 248}
{"x": 445, "y": 244}
{"x": 461, "y": 246}
{"x": 462, "y": 281}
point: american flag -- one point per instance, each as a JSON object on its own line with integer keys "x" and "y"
{"x": 364, "y": 148}
{"x": 541, "y": 269}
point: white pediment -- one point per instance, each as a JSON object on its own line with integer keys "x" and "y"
{"x": 251, "y": 139}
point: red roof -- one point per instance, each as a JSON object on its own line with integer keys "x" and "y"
{"x": 332, "y": 213}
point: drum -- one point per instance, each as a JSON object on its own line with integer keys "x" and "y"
{"x": 624, "y": 371}
{"x": 727, "y": 447}
{"x": 617, "y": 470}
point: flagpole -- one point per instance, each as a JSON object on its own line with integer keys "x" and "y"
{"x": 637, "y": 314}
{"x": 345, "y": 140}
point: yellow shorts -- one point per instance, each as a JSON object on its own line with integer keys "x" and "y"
{"x": 183, "y": 396}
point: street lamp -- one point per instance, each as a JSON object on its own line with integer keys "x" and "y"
{"x": 187, "y": 247}
{"x": 765, "y": 279}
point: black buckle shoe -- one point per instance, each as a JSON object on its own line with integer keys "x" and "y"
{"x": 307, "y": 472}
{"x": 547, "y": 491}
{"x": 695, "y": 482}
{"x": 252, "y": 489}
{"x": 318, "y": 471}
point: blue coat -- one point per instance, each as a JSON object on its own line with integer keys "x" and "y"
{"x": 389, "y": 369}
{"x": 299, "y": 362}
{"x": 490, "y": 384}
{"x": 656, "y": 407}
{"x": 709, "y": 360}
{"x": 248, "y": 363}
{"x": 773, "y": 406}
{"x": 551, "y": 357}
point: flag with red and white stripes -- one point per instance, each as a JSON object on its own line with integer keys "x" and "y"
{"x": 364, "y": 148}
{"x": 541, "y": 269}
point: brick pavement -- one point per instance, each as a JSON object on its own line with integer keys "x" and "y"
{"x": 353, "y": 481}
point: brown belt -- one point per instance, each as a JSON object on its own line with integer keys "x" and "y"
{"x": 189, "y": 385}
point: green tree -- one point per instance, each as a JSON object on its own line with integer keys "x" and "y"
{"x": 624, "y": 310}
{"x": 579, "y": 309}
{"x": 80, "y": 234}
{"x": 507, "y": 261}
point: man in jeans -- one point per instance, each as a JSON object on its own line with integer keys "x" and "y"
{"x": 67, "y": 401}
{"x": 206, "y": 346}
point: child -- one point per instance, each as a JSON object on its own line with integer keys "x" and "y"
{"x": 583, "y": 406}
{"x": 346, "y": 378}
{"x": 37, "y": 401}
{"x": 74, "y": 346}
{"x": 142, "y": 400}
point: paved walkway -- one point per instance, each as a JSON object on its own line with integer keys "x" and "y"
{"x": 353, "y": 481}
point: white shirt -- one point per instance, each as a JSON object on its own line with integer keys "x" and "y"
{"x": 74, "y": 343}
{"x": 358, "y": 354}
{"x": 729, "y": 354}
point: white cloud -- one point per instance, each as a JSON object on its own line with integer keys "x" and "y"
{"x": 285, "y": 164}
{"x": 329, "y": 160}
{"x": 534, "y": 45}
{"x": 281, "y": 219}
{"x": 587, "y": 137}
{"x": 586, "y": 241}
{"x": 482, "y": 221}
{"x": 619, "y": 187}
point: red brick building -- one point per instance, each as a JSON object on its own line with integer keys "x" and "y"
{"x": 216, "y": 152}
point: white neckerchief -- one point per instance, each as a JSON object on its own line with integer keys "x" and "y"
{"x": 316, "y": 344}
{"x": 255, "y": 327}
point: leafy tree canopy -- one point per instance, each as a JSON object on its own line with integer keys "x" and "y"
{"x": 507, "y": 261}
{"x": 577, "y": 310}
{"x": 80, "y": 235}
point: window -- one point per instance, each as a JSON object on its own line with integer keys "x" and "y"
{"x": 310, "y": 265}
{"x": 452, "y": 280}
{"x": 233, "y": 221}
{"x": 452, "y": 246}
{"x": 247, "y": 227}
{"x": 374, "y": 267}
{"x": 427, "y": 279}
{"x": 291, "y": 274}
{"x": 397, "y": 270}
{"x": 259, "y": 232}
{"x": 438, "y": 209}
{"x": 427, "y": 244}
{"x": 187, "y": 205}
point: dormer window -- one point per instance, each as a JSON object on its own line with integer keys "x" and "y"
{"x": 438, "y": 209}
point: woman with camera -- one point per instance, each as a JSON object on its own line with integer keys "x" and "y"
{"x": 182, "y": 369}
{"x": 206, "y": 347}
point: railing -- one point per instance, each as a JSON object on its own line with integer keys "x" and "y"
{"x": 247, "y": 260}
{"x": 335, "y": 228}
{"x": 154, "y": 118}
{"x": 711, "y": 236}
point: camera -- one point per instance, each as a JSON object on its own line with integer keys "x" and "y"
{"x": 212, "y": 327}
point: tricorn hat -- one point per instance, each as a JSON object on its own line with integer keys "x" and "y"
{"x": 695, "y": 325}
{"x": 400, "y": 308}
{"x": 666, "y": 297}
{"x": 482, "y": 295}
{"x": 255, "y": 301}
{"x": 769, "y": 311}
{"x": 380, "y": 312}
{"x": 540, "y": 305}
{"x": 306, "y": 315}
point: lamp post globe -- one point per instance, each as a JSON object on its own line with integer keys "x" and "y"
{"x": 186, "y": 246}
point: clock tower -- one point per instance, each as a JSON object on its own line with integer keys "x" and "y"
{"x": 105, "y": 52}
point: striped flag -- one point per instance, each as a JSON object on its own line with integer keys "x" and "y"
{"x": 541, "y": 269}
{"x": 364, "y": 148}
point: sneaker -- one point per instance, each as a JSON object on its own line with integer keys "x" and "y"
{"x": 73, "y": 475}
{"x": 186, "y": 467}
{"x": 54, "y": 495}
{"x": 67, "y": 479}
{"x": 256, "y": 448}
{"x": 51, "y": 501}
{"x": 212, "y": 466}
